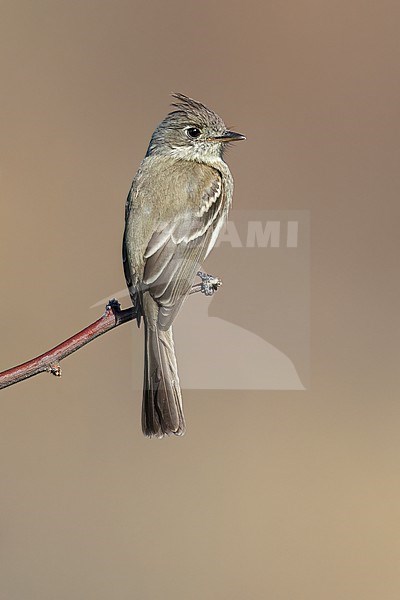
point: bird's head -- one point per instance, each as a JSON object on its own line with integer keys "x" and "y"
{"x": 191, "y": 132}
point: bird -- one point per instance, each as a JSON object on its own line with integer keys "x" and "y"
{"x": 177, "y": 204}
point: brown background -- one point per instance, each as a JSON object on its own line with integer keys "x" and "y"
{"x": 277, "y": 495}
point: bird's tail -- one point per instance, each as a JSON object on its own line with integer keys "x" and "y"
{"x": 162, "y": 401}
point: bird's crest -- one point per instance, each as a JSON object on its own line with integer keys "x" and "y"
{"x": 192, "y": 109}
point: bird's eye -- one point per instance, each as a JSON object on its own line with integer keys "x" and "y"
{"x": 193, "y": 132}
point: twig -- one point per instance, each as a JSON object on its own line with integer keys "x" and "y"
{"x": 113, "y": 317}
{"x": 50, "y": 361}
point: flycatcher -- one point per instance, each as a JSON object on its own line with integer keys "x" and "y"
{"x": 176, "y": 207}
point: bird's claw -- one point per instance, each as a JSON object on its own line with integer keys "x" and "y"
{"x": 209, "y": 284}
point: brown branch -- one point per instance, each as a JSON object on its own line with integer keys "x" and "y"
{"x": 50, "y": 361}
{"x": 113, "y": 317}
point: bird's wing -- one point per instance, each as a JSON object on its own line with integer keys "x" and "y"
{"x": 177, "y": 248}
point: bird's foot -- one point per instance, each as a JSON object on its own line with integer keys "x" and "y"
{"x": 209, "y": 284}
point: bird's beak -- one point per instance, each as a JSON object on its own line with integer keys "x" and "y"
{"x": 228, "y": 136}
